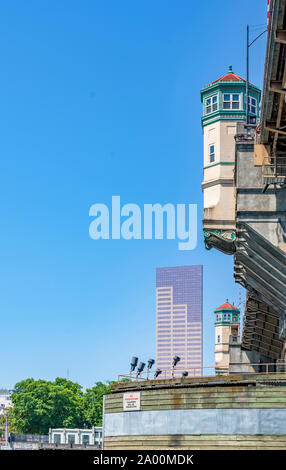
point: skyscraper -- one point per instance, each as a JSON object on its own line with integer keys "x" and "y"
{"x": 179, "y": 317}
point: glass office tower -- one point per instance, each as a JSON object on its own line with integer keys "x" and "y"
{"x": 179, "y": 318}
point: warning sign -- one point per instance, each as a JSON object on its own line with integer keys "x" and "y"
{"x": 131, "y": 401}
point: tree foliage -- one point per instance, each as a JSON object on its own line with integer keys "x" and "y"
{"x": 40, "y": 404}
{"x": 93, "y": 403}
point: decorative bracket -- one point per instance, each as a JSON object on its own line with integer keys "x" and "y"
{"x": 222, "y": 240}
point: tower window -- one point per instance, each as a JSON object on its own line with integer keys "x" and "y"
{"x": 211, "y": 104}
{"x": 252, "y": 105}
{"x": 218, "y": 339}
{"x": 231, "y": 101}
{"x": 212, "y": 153}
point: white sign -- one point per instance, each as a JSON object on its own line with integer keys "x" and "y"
{"x": 131, "y": 401}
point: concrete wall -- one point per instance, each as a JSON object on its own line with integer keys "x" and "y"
{"x": 218, "y": 183}
{"x": 244, "y": 357}
{"x": 264, "y": 212}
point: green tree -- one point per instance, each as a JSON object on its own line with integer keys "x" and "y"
{"x": 40, "y": 404}
{"x": 93, "y": 403}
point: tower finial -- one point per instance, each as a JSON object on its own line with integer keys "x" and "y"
{"x": 230, "y": 68}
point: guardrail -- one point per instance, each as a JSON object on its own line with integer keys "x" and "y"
{"x": 233, "y": 368}
{"x": 274, "y": 167}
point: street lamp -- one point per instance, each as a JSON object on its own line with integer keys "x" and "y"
{"x": 247, "y": 73}
{"x": 6, "y": 431}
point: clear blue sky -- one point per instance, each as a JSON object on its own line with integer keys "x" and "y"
{"x": 102, "y": 98}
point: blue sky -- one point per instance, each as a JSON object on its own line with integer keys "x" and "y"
{"x": 102, "y": 98}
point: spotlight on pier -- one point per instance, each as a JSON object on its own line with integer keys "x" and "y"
{"x": 150, "y": 363}
{"x": 140, "y": 368}
{"x": 133, "y": 363}
{"x": 185, "y": 373}
{"x": 157, "y": 372}
{"x": 176, "y": 359}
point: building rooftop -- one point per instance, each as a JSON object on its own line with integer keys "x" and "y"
{"x": 229, "y": 77}
{"x": 227, "y": 306}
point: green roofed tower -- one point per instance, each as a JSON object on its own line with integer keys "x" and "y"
{"x": 224, "y": 99}
{"x": 227, "y": 330}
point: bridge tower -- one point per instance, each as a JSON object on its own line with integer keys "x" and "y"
{"x": 227, "y": 331}
{"x": 223, "y": 107}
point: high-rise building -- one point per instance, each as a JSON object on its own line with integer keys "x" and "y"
{"x": 179, "y": 317}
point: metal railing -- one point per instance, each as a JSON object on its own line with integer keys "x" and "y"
{"x": 173, "y": 372}
{"x": 259, "y": 368}
{"x": 198, "y": 372}
{"x": 274, "y": 166}
{"x": 28, "y": 437}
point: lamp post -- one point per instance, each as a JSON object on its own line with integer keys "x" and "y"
{"x": 247, "y": 72}
{"x": 6, "y": 430}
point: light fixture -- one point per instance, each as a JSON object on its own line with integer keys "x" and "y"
{"x": 133, "y": 363}
{"x": 140, "y": 368}
{"x": 157, "y": 372}
{"x": 176, "y": 359}
{"x": 150, "y": 363}
{"x": 185, "y": 373}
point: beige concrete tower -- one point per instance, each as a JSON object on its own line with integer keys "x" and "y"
{"x": 223, "y": 107}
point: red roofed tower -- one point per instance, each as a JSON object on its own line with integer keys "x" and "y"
{"x": 227, "y": 330}
{"x": 224, "y": 108}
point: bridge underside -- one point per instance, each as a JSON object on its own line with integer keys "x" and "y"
{"x": 261, "y": 328}
{"x": 261, "y": 268}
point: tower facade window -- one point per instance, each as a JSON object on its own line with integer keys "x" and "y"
{"x": 211, "y": 104}
{"x": 252, "y": 105}
{"x": 218, "y": 339}
{"x": 231, "y": 101}
{"x": 212, "y": 153}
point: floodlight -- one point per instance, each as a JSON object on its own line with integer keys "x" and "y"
{"x": 140, "y": 368}
{"x": 150, "y": 363}
{"x": 133, "y": 363}
{"x": 156, "y": 373}
{"x": 176, "y": 359}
